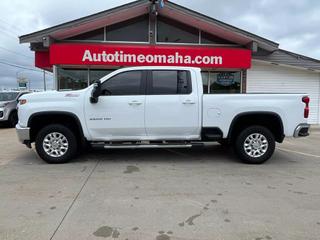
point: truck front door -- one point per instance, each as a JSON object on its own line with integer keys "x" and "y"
{"x": 119, "y": 113}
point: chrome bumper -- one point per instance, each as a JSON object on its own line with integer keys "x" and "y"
{"x": 23, "y": 134}
{"x": 302, "y": 130}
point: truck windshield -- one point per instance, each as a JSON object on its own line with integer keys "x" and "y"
{"x": 8, "y": 96}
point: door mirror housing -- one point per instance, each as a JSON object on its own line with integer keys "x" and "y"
{"x": 96, "y": 92}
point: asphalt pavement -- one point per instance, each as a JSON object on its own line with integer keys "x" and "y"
{"x": 161, "y": 194}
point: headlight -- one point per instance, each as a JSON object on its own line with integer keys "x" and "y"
{"x": 22, "y": 101}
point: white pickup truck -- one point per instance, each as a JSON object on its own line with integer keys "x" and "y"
{"x": 158, "y": 107}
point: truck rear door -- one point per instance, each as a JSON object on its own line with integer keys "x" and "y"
{"x": 172, "y": 105}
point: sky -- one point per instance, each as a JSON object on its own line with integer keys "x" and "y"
{"x": 292, "y": 23}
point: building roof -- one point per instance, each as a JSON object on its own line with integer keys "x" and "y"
{"x": 211, "y": 20}
{"x": 38, "y": 35}
{"x": 283, "y": 57}
{"x": 268, "y": 50}
{"x": 141, "y": 7}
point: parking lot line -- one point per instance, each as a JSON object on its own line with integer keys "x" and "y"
{"x": 74, "y": 200}
{"x": 301, "y": 153}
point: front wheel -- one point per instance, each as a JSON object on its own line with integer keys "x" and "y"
{"x": 255, "y": 145}
{"x": 13, "y": 119}
{"x": 56, "y": 144}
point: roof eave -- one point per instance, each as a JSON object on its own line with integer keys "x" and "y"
{"x": 263, "y": 42}
{"x": 38, "y": 35}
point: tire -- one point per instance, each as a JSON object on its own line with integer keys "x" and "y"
{"x": 13, "y": 119}
{"x": 52, "y": 151}
{"x": 255, "y": 145}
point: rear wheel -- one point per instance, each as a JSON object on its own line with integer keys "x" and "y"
{"x": 255, "y": 145}
{"x": 56, "y": 144}
{"x": 13, "y": 119}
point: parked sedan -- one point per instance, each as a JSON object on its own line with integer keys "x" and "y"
{"x": 8, "y": 106}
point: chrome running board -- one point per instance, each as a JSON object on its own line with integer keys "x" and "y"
{"x": 132, "y": 146}
{"x": 146, "y": 144}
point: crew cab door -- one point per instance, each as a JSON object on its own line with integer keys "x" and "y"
{"x": 172, "y": 105}
{"x": 119, "y": 113}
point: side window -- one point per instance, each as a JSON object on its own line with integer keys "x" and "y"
{"x": 221, "y": 82}
{"x": 167, "y": 82}
{"x": 126, "y": 83}
{"x": 95, "y": 35}
{"x": 225, "y": 82}
{"x": 169, "y": 30}
{"x": 133, "y": 30}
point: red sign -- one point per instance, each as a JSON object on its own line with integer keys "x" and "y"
{"x": 42, "y": 60}
{"x": 148, "y": 55}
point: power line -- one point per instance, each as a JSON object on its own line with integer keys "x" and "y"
{"x": 10, "y": 35}
{"x": 9, "y": 29}
{"x": 8, "y": 50}
{"x": 2, "y": 29}
{"x": 11, "y": 25}
{"x": 17, "y": 64}
{"x": 22, "y": 67}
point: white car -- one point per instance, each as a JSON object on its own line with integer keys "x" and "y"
{"x": 8, "y": 106}
{"x": 158, "y": 107}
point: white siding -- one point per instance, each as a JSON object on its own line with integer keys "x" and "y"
{"x": 277, "y": 79}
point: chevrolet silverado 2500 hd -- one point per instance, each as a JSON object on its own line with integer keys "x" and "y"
{"x": 158, "y": 107}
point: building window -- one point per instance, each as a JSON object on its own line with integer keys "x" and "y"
{"x": 207, "y": 38}
{"x": 205, "y": 82}
{"x": 170, "y": 82}
{"x": 125, "y": 83}
{"x": 72, "y": 79}
{"x": 171, "y": 31}
{"x": 96, "y": 35}
{"x": 97, "y": 74}
{"x": 221, "y": 82}
{"x": 133, "y": 30}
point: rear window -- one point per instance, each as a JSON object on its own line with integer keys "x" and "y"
{"x": 170, "y": 82}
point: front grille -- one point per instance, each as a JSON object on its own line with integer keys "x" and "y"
{"x": 1, "y": 114}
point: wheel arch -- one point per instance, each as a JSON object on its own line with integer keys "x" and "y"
{"x": 270, "y": 120}
{"x": 40, "y": 119}
{"x": 14, "y": 110}
{"x": 10, "y": 114}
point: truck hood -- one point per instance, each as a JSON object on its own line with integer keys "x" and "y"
{"x": 53, "y": 95}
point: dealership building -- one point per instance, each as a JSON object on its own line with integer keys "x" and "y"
{"x": 148, "y": 33}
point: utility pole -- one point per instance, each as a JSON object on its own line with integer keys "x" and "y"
{"x": 44, "y": 81}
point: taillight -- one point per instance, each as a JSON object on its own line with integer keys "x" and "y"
{"x": 306, "y": 100}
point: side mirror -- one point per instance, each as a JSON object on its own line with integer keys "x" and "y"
{"x": 96, "y": 92}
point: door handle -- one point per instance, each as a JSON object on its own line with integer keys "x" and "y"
{"x": 137, "y": 103}
{"x": 188, "y": 102}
